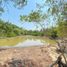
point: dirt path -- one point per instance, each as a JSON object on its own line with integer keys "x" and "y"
{"x": 40, "y": 55}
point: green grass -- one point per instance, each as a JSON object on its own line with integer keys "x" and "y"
{"x": 11, "y": 41}
{"x": 50, "y": 41}
{"x": 15, "y": 40}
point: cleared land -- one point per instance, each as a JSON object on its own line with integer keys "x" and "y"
{"x": 38, "y": 55}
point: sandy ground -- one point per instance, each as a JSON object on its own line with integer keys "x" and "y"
{"x": 39, "y": 54}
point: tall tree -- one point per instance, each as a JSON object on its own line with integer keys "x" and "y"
{"x": 57, "y": 9}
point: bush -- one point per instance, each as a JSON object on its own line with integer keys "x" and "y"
{"x": 54, "y": 34}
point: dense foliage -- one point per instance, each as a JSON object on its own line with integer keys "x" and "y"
{"x": 62, "y": 29}
{"x": 10, "y": 30}
{"x": 7, "y": 29}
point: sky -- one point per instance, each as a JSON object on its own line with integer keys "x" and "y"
{"x": 12, "y": 14}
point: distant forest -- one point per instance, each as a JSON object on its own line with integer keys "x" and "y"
{"x": 57, "y": 10}
{"x": 10, "y": 30}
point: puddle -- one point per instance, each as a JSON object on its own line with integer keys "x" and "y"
{"x": 31, "y": 42}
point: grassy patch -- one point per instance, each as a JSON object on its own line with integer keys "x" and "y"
{"x": 11, "y": 41}
{"x": 15, "y": 40}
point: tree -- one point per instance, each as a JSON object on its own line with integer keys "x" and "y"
{"x": 9, "y": 30}
{"x": 16, "y": 3}
{"x": 57, "y": 9}
{"x": 62, "y": 29}
{"x": 34, "y": 16}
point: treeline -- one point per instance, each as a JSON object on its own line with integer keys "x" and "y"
{"x": 59, "y": 31}
{"x": 10, "y": 30}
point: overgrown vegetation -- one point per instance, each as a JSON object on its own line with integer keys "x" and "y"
{"x": 8, "y": 30}
{"x": 56, "y": 10}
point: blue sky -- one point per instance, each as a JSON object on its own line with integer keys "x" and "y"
{"x": 12, "y": 14}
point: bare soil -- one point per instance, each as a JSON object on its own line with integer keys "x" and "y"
{"x": 38, "y": 55}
